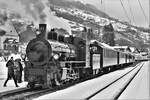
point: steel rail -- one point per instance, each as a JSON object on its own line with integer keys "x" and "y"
{"x": 24, "y": 93}
{"x": 127, "y": 84}
{"x": 15, "y": 92}
{"x": 94, "y": 94}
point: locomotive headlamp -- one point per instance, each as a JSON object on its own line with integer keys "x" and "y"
{"x": 66, "y": 35}
{"x": 56, "y": 56}
{"x": 37, "y": 32}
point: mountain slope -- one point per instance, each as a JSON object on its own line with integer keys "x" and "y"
{"x": 78, "y": 5}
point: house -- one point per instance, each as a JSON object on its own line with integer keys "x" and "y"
{"x": 134, "y": 50}
{"x": 9, "y": 38}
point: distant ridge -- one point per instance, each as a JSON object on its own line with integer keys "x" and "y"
{"x": 79, "y": 5}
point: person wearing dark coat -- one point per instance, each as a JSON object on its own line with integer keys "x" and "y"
{"x": 19, "y": 70}
{"x": 10, "y": 66}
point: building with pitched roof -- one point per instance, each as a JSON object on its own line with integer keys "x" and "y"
{"x": 9, "y": 38}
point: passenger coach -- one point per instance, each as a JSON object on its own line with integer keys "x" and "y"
{"x": 104, "y": 57}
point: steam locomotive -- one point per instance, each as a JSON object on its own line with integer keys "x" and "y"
{"x": 58, "y": 59}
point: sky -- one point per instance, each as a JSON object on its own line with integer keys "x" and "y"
{"x": 114, "y": 9}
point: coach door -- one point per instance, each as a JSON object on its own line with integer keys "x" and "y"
{"x": 96, "y": 57}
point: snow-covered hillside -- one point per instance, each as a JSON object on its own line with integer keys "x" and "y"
{"x": 69, "y": 15}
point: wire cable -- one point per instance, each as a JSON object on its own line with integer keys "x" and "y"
{"x": 143, "y": 11}
{"x": 131, "y": 11}
{"x": 103, "y": 4}
{"x": 125, "y": 11}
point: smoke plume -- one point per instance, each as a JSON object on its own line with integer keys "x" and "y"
{"x": 37, "y": 11}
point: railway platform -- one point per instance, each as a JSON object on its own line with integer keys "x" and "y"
{"x": 109, "y": 86}
{"x": 10, "y": 86}
{"x": 115, "y": 85}
{"x": 139, "y": 88}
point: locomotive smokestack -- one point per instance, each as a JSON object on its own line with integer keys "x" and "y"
{"x": 42, "y": 29}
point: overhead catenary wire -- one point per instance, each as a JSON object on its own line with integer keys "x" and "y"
{"x": 103, "y": 5}
{"x": 131, "y": 12}
{"x": 125, "y": 11}
{"x": 101, "y": 1}
{"x": 142, "y": 11}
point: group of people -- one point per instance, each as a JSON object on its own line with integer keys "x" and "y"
{"x": 14, "y": 71}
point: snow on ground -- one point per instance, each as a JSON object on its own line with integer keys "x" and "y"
{"x": 10, "y": 83}
{"x": 115, "y": 88}
{"x": 139, "y": 88}
{"x": 3, "y": 70}
{"x": 84, "y": 89}
{"x": 15, "y": 56}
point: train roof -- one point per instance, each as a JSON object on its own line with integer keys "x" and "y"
{"x": 102, "y": 45}
{"x": 106, "y": 46}
{"x": 126, "y": 49}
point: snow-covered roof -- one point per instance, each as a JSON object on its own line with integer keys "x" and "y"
{"x": 124, "y": 48}
{"x": 15, "y": 56}
{"x": 103, "y": 45}
{"x": 10, "y": 30}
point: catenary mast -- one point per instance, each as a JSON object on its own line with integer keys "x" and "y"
{"x": 149, "y": 19}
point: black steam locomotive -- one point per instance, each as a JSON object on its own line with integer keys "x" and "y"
{"x": 57, "y": 59}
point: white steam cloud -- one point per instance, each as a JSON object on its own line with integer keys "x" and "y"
{"x": 37, "y": 11}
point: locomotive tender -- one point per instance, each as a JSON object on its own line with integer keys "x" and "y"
{"x": 54, "y": 60}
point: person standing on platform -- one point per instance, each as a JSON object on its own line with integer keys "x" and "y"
{"x": 10, "y": 66}
{"x": 19, "y": 70}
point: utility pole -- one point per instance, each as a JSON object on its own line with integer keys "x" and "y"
{"x": 149, "y": 23}
{"x": 149, "y": 53}
{"x": 149, "y": 13}
{"x": 86, "y": 30}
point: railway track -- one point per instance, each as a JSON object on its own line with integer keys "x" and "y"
{"x": 17, "y": 93}
{"x": 25, "y": 93}
{"x": 113, "y": 90}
